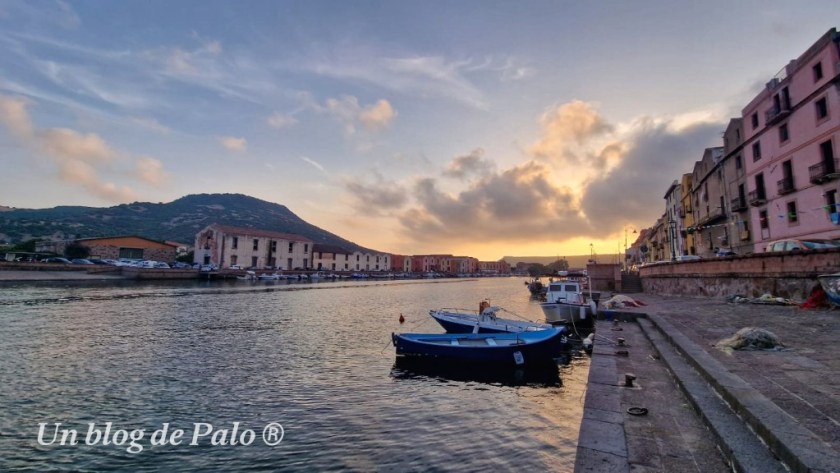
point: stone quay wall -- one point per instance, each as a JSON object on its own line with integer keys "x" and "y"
{"x": 788, "y": 274}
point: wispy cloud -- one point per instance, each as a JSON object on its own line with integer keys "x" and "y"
{"x": 151, "y": 124}
{"x": 280, "y": 121}
{"x": 233, "y": 143}
{"x": 314, "y": 163}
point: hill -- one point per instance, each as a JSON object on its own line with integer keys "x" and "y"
{"x": 577, "y": 261}
{"x": 178, "y": 220}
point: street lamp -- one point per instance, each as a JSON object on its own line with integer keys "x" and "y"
{"x": 625, "y": 244}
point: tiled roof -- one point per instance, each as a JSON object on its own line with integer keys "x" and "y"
{"x": 256, "y": 232}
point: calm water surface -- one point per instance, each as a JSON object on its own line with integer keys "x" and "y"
{"x": 314, "y": 358}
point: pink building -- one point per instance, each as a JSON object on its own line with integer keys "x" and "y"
{"x": 791, "y": 140}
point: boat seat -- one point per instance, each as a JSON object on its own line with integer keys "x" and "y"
{"x": 491, "y": 342}
{"x": 454, "y": 342}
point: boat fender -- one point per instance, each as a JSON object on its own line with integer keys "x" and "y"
{"x": 402, "y": 319}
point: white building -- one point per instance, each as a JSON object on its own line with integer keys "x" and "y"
{"x": 224, "y": 246}
{"x": 362, "y": 261}
{"x": 332, "y": 258}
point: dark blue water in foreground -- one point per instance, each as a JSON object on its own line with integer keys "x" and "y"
{"x": 315, "y": 359}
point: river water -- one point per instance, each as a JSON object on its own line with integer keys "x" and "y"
{"x": 308, "y": 365}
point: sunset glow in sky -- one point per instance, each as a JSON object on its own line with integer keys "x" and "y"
{"x": 470, "y": 127}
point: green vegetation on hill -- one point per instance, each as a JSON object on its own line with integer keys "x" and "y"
{"x": 178, "y": 220}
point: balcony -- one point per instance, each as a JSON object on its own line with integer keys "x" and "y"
{"x": 785, "y": 186}
{"x": 823, "y": 172}
{"x": 756, "y": 198}
{"x": 776, "y": 114}
{"x": 738, "y": 204}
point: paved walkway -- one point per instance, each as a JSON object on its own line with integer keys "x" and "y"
{"x": 790, "y": 397}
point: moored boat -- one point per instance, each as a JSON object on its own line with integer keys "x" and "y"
{"x": 566, "y": 303}
{"x": 512, "y": 348}
{"x": 831, "y": 285}
{"x": 483, "y": 321}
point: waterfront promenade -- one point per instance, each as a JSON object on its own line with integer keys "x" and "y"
{"x": 705, "y": 404}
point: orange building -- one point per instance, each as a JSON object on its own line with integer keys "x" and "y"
{"x": 130, "y": 247}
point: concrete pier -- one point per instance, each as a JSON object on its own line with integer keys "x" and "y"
{"x": 707, "y": 409}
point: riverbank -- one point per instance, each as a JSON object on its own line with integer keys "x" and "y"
{"x": 788, "y": 397}
{"x": 8, "y": 276}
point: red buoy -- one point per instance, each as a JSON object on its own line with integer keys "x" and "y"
{"x": 402, "y": 319}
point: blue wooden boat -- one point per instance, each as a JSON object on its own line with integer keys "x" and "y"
{"x": 486, "y": 321}
{"x": 512, "y": 348}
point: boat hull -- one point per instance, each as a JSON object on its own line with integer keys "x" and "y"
{"x": 831, "y": 285}
{"x": 514, "y": 349}
{"x": 562, "y": 313}
{"x": 454, "y": 322}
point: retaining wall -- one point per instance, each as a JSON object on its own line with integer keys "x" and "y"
{"x": 788, "y": 274}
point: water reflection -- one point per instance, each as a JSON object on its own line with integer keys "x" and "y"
{"x": 547, "y": 375}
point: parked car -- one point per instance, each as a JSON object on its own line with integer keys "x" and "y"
{"x": 792, "y": 244}
{"x": 723, "y": 252}
{"x": 235, "y": 266}
{"x": 681, "y": 258}
{"x": 57, "y": 259}
{"x": 161, "y": 265}
{"x": 180, "y": 265}
{"x": 81, "y": 261}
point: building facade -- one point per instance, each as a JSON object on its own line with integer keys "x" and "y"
{"x": 791, "y": 133}
{"x": 330, "y": 257}
{"x": 225, "y": 246}
{"x": 709, "y": 204}
{"x": 735, "y": 187}
{"x": 126, "y": 247}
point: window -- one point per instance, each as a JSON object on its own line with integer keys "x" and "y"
{"x": 759, "y": 186}
{"x": 791, "y": 212}
{"x": 253, "y": 261}
{"x": 755, "y": 120}
{"x": 762, "y": 218}
{"x": 818, "y": 73}
{"x": 291, "y": 246}
{"x": 306, "y": 248}
{"x": 232, "y": 260}
{"x": 234, "y": 243}
{"x": 738, "y": 164}
{"x": 831, "y": 202}
{"x": 273, "y": 245}
{"x": 822, "y": 108}
{"x": 256, "y": 244}
{"x": 783, "y": 133}
{"x": 756, "y": 150}
{"x": 827, "y": 153}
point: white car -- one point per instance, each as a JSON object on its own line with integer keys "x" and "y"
{"x": 235, "y": 266}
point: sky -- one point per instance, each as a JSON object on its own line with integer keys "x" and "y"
{"x": 476, "y": 127}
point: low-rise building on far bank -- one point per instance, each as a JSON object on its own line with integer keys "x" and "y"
{"x": 225, "y": 246}
{"x": 116, "y": 247}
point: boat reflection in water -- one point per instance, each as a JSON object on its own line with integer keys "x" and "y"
{"x": 545, "y": 374}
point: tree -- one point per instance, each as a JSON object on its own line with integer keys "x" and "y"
{"x": 537, "y": 269}
{"x": 76, "y": 250}
{"x": 28, "y": 245}
{"x": 559, "y": 265}
{"x": 186, "y": 257}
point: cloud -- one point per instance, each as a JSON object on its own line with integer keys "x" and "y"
{"x": 66, "y": 143}
{"x": 349, "y": 112}
{"x": 14, "y": 116}
{"x": 79, "y": 172}
{"x": 234, "y": 144}
{"x": 78, "y": 157}
{"x": 150, "y": 170}
{"x": 279, "y": 120}
{"x": 566, "y": 126}
{"x": 654, "y": 155}
{"x": 314, "y": 163}
{"x": 379, "y": 115}
{"x": 434, "y": 74}
{"x": 471, "y": 164}
{"x": 523, "y": 203}
{"x": 376, "y": 198}
{"x": 179, "y": 62}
